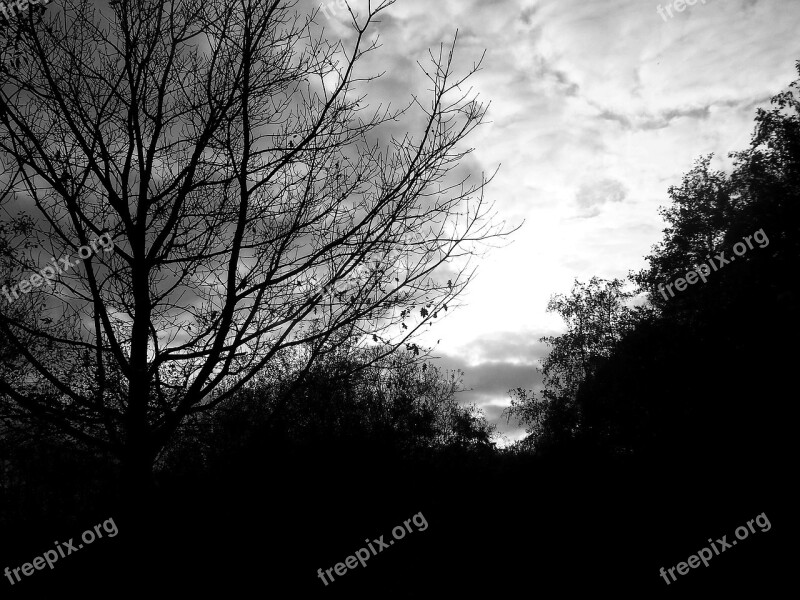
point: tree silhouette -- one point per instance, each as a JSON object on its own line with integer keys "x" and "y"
{"x": 227, "y": 151}
{"x": 597, "y": 316}
{"x": 394, "y": 406}
{"x": 701, "y": 373}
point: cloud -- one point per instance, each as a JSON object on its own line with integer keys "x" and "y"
{"x": 515, "y": 347}
{"x": 594, "y": 194}
{"x": 506, "y": 361}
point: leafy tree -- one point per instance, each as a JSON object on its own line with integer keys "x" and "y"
{"x": 711, "y": 210}
{"x": 394, "y": 405}
{"x": 703, "y": 373}
{"x": 597, "y": 314}
{"x": 701, "y": 212}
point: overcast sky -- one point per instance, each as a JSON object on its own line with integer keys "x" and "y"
{"x": 598, "y": 106}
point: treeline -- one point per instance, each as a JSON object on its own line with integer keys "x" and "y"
{"x": 654, "y": 369}
{"x": 397, "y": 407}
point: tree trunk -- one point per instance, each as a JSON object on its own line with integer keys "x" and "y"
{"x": 138, "y": 491}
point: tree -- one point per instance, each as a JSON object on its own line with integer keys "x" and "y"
{"x": 711, "y": 210}
{"x": 702, "y": 209}
{"x": 597, "y": 316}
{"x": 703, "y": 373}
{"x": 224, "y": 152}
{"x": 394, "y": 406}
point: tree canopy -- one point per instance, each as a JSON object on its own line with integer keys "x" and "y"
{"x": 228, "y": 152}
{"x": 668, "y": 375}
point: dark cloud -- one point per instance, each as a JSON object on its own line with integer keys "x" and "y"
{"x": 493, "y": 380}
{"x": 487, "y": 387}
{"x": 528, "y": 13}
{"x": 609, "y": 115}
{"x": 504, "y": 362}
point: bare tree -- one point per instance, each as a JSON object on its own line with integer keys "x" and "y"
{"x": 227, "y": 150}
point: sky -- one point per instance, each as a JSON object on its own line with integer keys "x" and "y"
{"x": 597, "y": 107}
